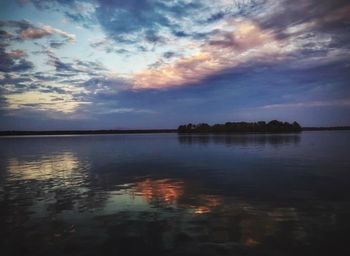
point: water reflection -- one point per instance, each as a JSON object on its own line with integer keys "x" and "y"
{"x": 206, "y": 203}
{"x": 155, "y": 195}
{"x": 165, "y": 192}
{"x": 241, "y": 139}
{"x": 200, "y": 221}
{"x": 161, "y": 191}
{"x": 58, "y": 167}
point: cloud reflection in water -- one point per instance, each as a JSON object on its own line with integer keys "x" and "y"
{"x": 227, "y": 194}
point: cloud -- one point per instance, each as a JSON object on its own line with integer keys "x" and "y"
{"x": 123, "y": 17}
{"x": 25, "y": 30}
{"x": 59, "y": 65}
{"x": 16, "y": 54}
{"x": 14, "y": 61}
{"x": 44, "y": 31}
{"x": 86, "y": 20}
{"x": 309, "y": 104}
{"x": 5, "y": 36}
{"x": 169, "y": 54}
{"x": 273, "y": 34}
{"x": 89, "y": 66}
{"x": 108, "y": 46}
{"x": 9, "y": 79}
{"x": 75, "y": 67}
{"x": 78, "y": 11}
{"x": 106, "y": 85}
{"x": 56, "y": 44}
{"x": 132, "y": 22}
{"x": 224, "y": 50}
{"x": 42, "y": 101}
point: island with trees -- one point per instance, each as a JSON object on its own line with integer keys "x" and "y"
{"x": 232, "y": 127}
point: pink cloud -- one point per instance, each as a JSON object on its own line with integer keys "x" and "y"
{"x": 40, "y": 32}
{"x": 16, "y": 54}
{"x": 238, "y": 42}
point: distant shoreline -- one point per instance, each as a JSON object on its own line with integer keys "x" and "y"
{"x": 149, "y": 131}
{"x": 84, "y": 132}
{"x": 336, "y": 128}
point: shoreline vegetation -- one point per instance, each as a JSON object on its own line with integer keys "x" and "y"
{"x": 234, "y": 127}
{"x": 227, "y": 128}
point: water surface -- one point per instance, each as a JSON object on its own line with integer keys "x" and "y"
{"x": 169, "y": 194}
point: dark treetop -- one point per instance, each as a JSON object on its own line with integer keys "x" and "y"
{"x": 272, "y": 126}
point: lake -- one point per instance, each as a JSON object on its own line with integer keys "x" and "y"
{"x": 169, "y": 194}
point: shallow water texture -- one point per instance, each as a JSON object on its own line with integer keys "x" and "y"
{"x": 169, "y": 194}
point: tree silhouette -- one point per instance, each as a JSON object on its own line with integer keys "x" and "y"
{"x": 229, "y": 127}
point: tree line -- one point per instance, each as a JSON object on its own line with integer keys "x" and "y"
{"x": 262, "y": 126}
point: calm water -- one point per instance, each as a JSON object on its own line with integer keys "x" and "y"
{"x": 165, "y": 194}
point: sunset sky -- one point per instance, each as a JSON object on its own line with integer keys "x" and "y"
{"x": 124, "y": 64}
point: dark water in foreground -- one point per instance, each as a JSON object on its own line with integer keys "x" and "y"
{"x": 164, "y": 194}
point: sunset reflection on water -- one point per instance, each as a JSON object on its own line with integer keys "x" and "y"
{"x": 162, "y": 190}
{"x": 167, "y": 191}
{"x": 169, "y": 195}
{"x": 56, "y": 166}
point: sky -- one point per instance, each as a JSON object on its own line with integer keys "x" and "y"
{"x": 117, "y": 64}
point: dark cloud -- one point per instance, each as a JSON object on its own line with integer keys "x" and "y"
{"x": 45, "y": 4}
{"x": 56, "y": 44}
{"x": 44, "y": 77}
{"x": 10, "y": 79}
{"x": 108, "y": 46}
{"x": 21, "y": 66}
{"x": 246, "y": 8}
{"x": 120, "y": 18}
{"x": 97, "y": 66}
{"x": 3, "y": 102}
{"x": 169, "y": 54}
{"x": 19, "y": 87}
{"x": 117, "y": 26}
{"x": 57, "y": 99}
{"x": 13, "y": 63}
{"x": 180, "y": 33}
{"x": 87, "y": 21}
{"x": 72, "y": 9}
{"x": 59, "y": 75}
{"x": 19, "y": 84}
{"x": 52, "y": 89}
{"x": 193, "y": 35}
{"x": 324, "y": 15}
{"x": 226, "y": 40}
{"x": 108, "y": 84}
{"x": 4, "y": 35}
{"x": 124, "y": 17}
{"x": 61, "y": 66}
{"x": 25, "y": 30}
{"x": 20, "y": 24}
{"x": 215, "y": 17}
{"x": 75, "y": 67}
{"x": 153, "y": 37}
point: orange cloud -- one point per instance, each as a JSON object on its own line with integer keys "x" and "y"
{"x": 235, "y": 43}
{"x": 36, "y": 33}
{"x": 17, "y": 54}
